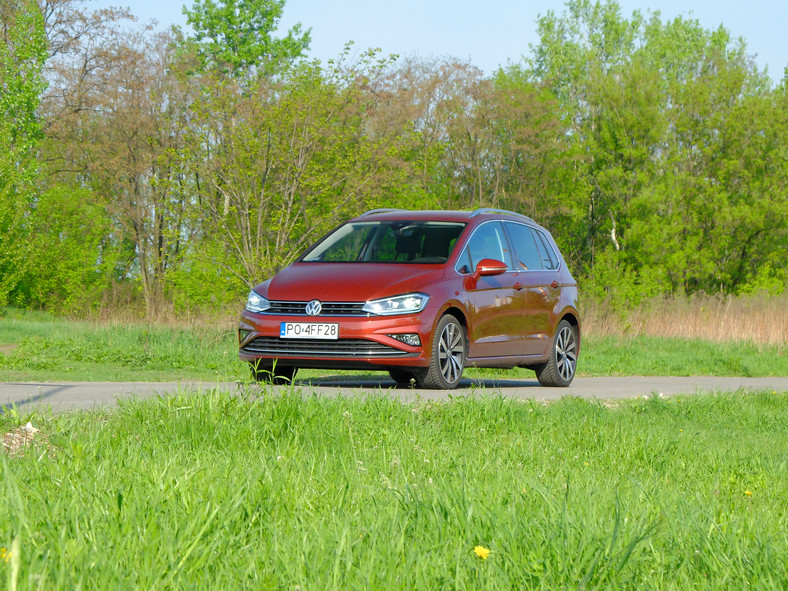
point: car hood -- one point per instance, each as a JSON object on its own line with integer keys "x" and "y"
{"x": 347, "y": 282}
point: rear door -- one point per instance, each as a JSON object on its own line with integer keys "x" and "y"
{"x": 538, "y": 265}
{"x": 495, "y": 304}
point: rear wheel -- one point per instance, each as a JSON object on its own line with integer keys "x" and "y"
{"x": 448, "y": 356}
{"x": 560, "y": 368}
{"x": 277, "y": 375}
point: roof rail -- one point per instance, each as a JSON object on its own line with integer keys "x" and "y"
{"x": 382, "y": 210}
{"x": 484, "y": 210}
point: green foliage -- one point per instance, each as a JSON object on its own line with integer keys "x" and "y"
{"x": 770, "y": 278}
{"x": 198, "y": 287}
{"x": 235, "y": 36}
{"x": 262, "y": 491}
{"x": 682, "y": 164}
{"x": 288, "y": 160}
{"x": 22, "y": 54}
{"x": 654, "y": 150}
{"x": 72, "y": 252}
{"x": 616, "y": 284}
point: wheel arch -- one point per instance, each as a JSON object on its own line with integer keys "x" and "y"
{"x": 458, "y": 314}
{"x": 572, "y": 318}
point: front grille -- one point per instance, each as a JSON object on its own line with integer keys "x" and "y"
{"x": 276, "y": 347}
{"x": 328, "y": 308}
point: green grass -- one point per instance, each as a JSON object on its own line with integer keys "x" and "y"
{"x": 42, "y": 348}
{"x": 299, "y": 492}
{"x": 37, "y": 347}
{"x": 649, "y": 356}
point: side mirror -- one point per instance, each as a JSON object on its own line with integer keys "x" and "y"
{"x": 489, "y": 267}
{"x": 485, "y": 268}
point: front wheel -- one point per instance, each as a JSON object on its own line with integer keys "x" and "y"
{"x": 560, "y": 368}
{"x": 448, "y": 356}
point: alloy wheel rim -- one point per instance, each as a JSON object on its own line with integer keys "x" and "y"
{"x": 450, "y": 352}
{"x": 566, "y": 353}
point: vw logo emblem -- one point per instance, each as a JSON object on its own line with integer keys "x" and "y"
{"x": 313, "y": 308}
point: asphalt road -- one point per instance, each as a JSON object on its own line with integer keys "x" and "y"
{"x": 66, "y": 396}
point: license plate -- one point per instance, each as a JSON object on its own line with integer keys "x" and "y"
{"x": 308, "y": 330}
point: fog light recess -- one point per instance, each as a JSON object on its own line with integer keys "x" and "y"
{"x": 242, "y": 334}
{"x": 409, "y": 339}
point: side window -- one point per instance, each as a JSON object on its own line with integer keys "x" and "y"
{"x": 549, "y": 260}
{"x": 488, "y": 242}
{"x": 463, "y": 262}
{"x": 526, "y": 251}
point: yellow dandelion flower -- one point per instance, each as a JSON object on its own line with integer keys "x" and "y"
{"x": 4, "y": 554}
{"x": 586, "y": 463}
{"x": 748, "y": 493}
{"x": 481, "y": 552}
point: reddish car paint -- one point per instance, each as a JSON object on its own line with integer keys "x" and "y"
{"x": 509, "y": 318}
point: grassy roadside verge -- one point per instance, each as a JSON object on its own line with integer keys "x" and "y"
{"x": 37, "y": 347}
{"x": 42, "y": 348}
{"x": 289, "y": 492}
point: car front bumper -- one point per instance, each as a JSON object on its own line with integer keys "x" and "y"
{"x": 362, "y": 342}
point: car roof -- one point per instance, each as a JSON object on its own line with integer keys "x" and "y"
{"x": 441, "y": 216}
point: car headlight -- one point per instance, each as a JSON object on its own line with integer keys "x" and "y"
{"x": 405, "y": 304}
{"x": 257, "y": 303}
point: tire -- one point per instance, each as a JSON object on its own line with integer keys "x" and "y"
{"x": 276, "y": 375}
{"x": 559, "y": 371}
{"x": 448, "y": 356}
{"x": 401, "y": 376}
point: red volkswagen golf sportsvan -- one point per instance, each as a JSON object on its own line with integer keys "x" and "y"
{"x": 422, "y": 295}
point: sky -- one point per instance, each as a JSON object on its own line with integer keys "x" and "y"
{"x": 488, "y": 33}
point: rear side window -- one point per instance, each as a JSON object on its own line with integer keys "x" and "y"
{"x": 549, "y": 260}
{"x": 526, "y": 252}
{"x": 532, "y": 248}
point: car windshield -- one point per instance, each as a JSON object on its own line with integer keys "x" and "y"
{"x": 418, "y": 242}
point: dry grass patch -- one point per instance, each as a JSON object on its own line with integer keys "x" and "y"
{"x": 755, "y": 319}
{"x": 16, "y": 441}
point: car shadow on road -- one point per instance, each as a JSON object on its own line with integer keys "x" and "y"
{"x": 381, "y": 383}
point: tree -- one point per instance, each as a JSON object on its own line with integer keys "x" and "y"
{"x": 610, "y": 110}
{"x": 140, "y": 160}
{"x": 118, "y": 132}
{"x": 432, "y": 103}
{"x": 73, "y": 249}
{"x": 236, "y": 36}
{"x": 535, "y": 163}
{"x": 715, "y": 220}
{"x": 79, "y": 244}
{"x": 82, "y": 48}
{"x": 469, "y": 141}
{"x": 287, "y": 160}
{"x": 666, "y": 116}
{"x": 22, "y": 56}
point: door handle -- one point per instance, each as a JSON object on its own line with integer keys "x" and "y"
{"x": 518, "y": 286}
